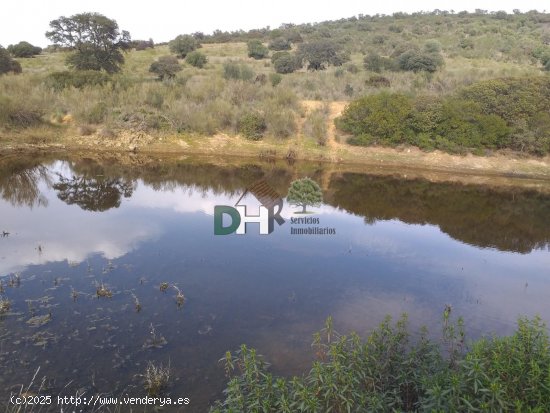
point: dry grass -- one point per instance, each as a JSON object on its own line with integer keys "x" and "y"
{"x": 156, "y": 379}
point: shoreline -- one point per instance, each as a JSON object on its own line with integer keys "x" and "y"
{"x": 337, "y": 155}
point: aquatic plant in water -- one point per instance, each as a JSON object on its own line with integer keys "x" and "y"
{"x": 137, "y": 304}
{"x": 155, "y": 340}
{"x": 156, "y": 379}
{"x": 103, "y": 291}
{"x": 180, "y": 298}
{"x": 5, "y": 305}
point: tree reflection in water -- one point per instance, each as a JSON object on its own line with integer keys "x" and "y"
{"x": 19, "y": 185}
{"x": 93, "y": 193}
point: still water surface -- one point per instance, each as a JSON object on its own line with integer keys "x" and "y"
{"x": 401, "y": 245}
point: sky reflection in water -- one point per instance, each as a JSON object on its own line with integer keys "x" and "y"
{"x": 271, "y": 292}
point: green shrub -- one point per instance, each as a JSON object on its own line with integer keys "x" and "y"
{"x": 389, "y": 372}
{"x": 236, "y": 71}
{"x": 257, "y": 50}
{"x": 384, "y": 116}
{"x": 182, "y": 45}
{"x": 513, "y": 99}
{"x": 279, "y": 43}
{"x": 7, "y": 64}
{"x": 284, "y": 62}
{"x": 320, "y": 53}
{"x": 376, "y": 63}
{"x": 417, "y": 61}
{"x": 275, "y": 79}
{"x": 76, "y": 79}
{"x": 252, "y": 126}
{"x": 166, "y": 67}
{"x": 196, "y": 59}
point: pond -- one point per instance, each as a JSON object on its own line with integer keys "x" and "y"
{"x": 87, "y": 243}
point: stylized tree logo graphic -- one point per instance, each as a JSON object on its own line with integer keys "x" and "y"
{"x": 304, "y": 192}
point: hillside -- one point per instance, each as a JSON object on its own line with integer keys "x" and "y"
{"x": 294, "y": 113}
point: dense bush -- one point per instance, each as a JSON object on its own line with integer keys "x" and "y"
{"x": 378, "y": 81}
{"x": 166, "y": 67}
{"x": 285, "y": 62}
{"x": 7, "y": 64}
{"x": 417, "y": 61}
{"x": 252, "y": 126}
{"x": 376, "y": 63}
{"x": 24, "y": 49}
{"x": 508, "y": 113}
{"x": 196, "y": 59}
{"x": 236, "y": 71}
{"x": 182, "y": 45}
{"x": 76, "y": 79}
{"x": 143, "y": 44}
{"x": 320, "y": 53}
{"x": 382, "y": 118}
{"x": 389, "y": 372}
{"x": 275, "y": 79}
{"x": 279, "y": 43}
{"x": 257, "y": 50}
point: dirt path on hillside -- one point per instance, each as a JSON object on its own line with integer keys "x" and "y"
{"x": 335, "y": 109}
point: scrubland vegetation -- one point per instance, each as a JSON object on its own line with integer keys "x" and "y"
{"x": 463, "y": 82}
{"x": 393, "y": 371}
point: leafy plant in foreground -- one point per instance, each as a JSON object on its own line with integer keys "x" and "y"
{"x": 390, "y": 371}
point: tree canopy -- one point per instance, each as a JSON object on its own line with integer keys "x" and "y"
{"x": 24, "y": 49}
{"x": 96, "y": 40}
{"x": 166, "y": 67}
{"x": 182, "y": 45}
{"x": 320, "y": 53}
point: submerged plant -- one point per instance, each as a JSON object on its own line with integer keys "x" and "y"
{"x": 15, "y": 280}
{"x": 39, "y": 320}
{"x": 5, "y": 305}
{"x": 103, "y": 291}
{"x": 137, "y": 304}
{"x": 74, "y": 294}
{"x": 155, "y": 340}
{"x": 180, "y": 298}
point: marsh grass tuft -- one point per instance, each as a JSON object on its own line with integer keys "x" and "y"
{"x": 5, "y": 305}
{"x": 156, "y": 379}
{"x": 103, "y": 291}
{"x": 137, "y": 304}
{"x": 180, "y": 298}
{"x": 155, "y": 340}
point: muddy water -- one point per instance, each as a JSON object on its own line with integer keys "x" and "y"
{"x": 73, "y": 227}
